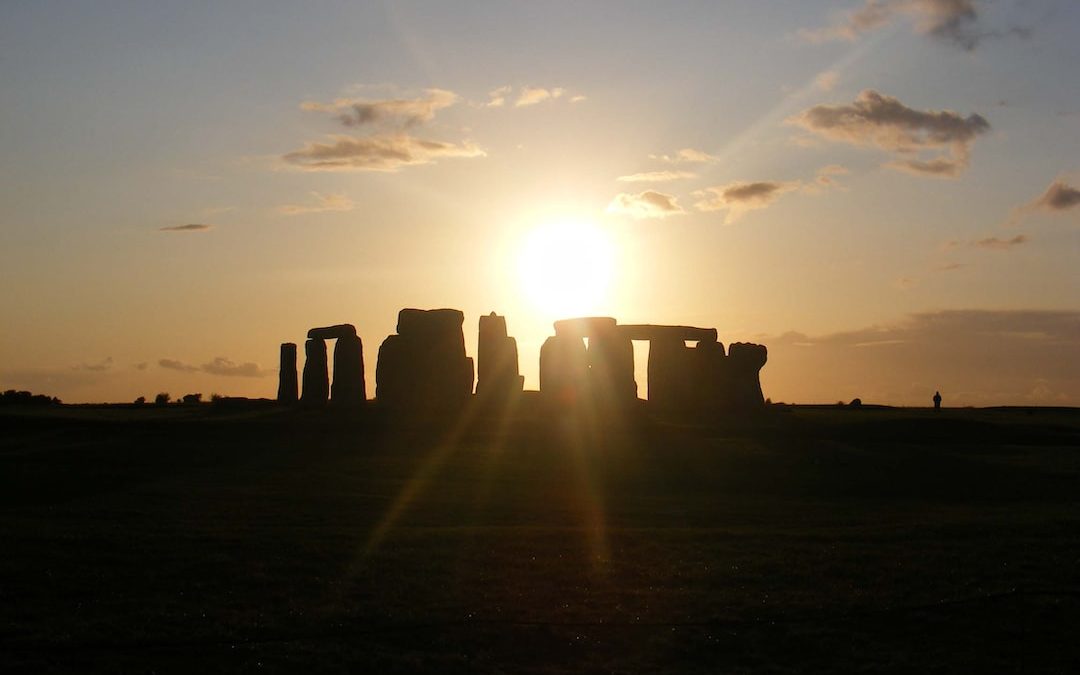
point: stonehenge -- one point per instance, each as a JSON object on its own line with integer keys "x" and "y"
{"x": 316, "y": 381}
{"x": 287, "y": 388}
{"x": 424, "y": 367}
{"x": 602, "y": 372}
{"x": 497, "y": 376}
{"x": 348, "y": 387}
{"x": 682, "y": 378}
{"x": 342, "y": 330}
{"x": 589, "y": 361}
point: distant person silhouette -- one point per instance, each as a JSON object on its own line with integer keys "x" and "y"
{"x": 937, "y": 400}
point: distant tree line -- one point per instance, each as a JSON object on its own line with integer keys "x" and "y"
{"x": 12, "y": 397}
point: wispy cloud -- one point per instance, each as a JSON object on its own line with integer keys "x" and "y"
{"x": 954, "y": 21}
{"x": 173, "y": 364}
{"x": 223, "y": 366}
{"x": 739, "y": 197}
{"x": 998, "y": 244}
{"x": 1060, "y": 196}
{"x": 656, "y": 176}
{"x": 390, "y": 146}
{"x": 407, "y": 112}
{"x": 190, "y": 227}
{"x": 875, "y": 119}
{"x": 1056, "y": 199}
{"x": 643, "y": 205}
{"x": 533, "y": 95}
{"x": 827, "y": 80}
{"x": 322, "y": 204}
{"x": 219, "y": 366}
{"x": 99, "y": 367}
{"x": 385, "y": 152}
{"x": 826, "y": 178}
{"x": 687, "y": 156}
{"x": 497, "y": 97}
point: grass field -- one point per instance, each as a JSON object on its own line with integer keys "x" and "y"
{"x": 187, "y": 539}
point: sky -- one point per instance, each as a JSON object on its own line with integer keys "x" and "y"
{"x": 884, "y": 192}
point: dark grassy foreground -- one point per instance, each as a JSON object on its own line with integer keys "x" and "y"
{"x": 197, "y": 539}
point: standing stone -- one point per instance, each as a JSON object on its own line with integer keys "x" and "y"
{"x": 286, "y": 392}
{"x": 711, "y": 380}
{"x": 671, "y": 374}
{"x": 611, "y": 367}
{"x": 424, "y": 367}
{"x": 316, "y": 379}
{"x": 349, "y": 387}
{"x": 498, "y": 378}
{"x": 744, "y": 362}
{"x": 564, "y": 370}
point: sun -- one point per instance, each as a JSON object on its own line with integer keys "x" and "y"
{"x": 566, "y": 267}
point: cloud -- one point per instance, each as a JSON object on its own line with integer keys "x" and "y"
{"x": 941, "y": 167}
{"x": 875, "y": 119}
{"x": 190, "y": 227}
{"x": 323, "y": 203}
{"x": 98, "y": 367}
{"x": 997, "y": 244}
{"x": 688, "y": 156}
{"x": 647, "y": 204}
{"x": 219, "y": 366}
{"x": 1058, "y": 197}
{"x": 172, "y": 364}
{"x": 391, "y": 145}
{"x": 954, "y": 21}
{"x": 399, "y": 112}
{"x": 825, "y": 178}
{"x": 655, "y": 176}
{"x": 381, "y": 152}
{"x": 827, "y": 80}
{"x": 951, "y": 267}
{"x": 142, "y": 365}
{"x": 497, "y": 97}
{"x": 974, "y": 357}
{"x": 223, "y": 366}
{"x": 577, "y": 99}
{"x": 739, "y": 197}
{"x": 533, "y": 95}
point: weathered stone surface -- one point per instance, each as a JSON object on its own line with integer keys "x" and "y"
{"x": 497, "y": 361}
{"x": 745, "y": 360}
{"x": 672, "y": 373}
{"x": 421, "y": 322}
{"x": 316, "y": 379}
{"x": 654, "y": 332}
{"x": 564, "y": 370}
{"x": 424, "y": 367}
{"x": 349, "y": 387}
{"x": 287, "y": 386}
{"x": 611, "y": 366}
{"x": 342, "y": 330}
{"x": 585, "y": 326}
{"x": 711, "y": 380}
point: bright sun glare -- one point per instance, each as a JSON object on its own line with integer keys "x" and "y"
{"x": 566, "y": 267}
